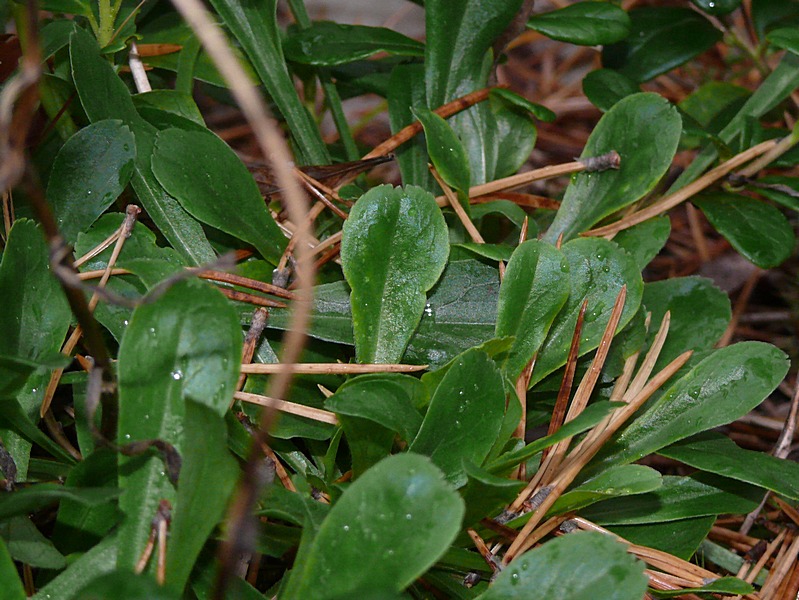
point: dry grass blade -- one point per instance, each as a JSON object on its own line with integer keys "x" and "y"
{"x": 783, "y": 564}
{"x": 452, "y": 200}
{"x": 301, "y": 410}
{"x": 650, "y": 359}
{"x": 257, "y": 326}
{"x": 329, "y": 368}
{"x": 683, "y": 194}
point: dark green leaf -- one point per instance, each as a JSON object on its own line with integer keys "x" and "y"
{"x": 464, "y": 417}
{"x": 29, "y": 500}
{"x": 723, "y": 585}
{"x": 660, "y": 39}
{"x": 212, "y": 184}
{"x": 786, "y": 37}
{"x": 188, "y": 342}
{"x": 724, "y": 386}
{"x": 781, "y": 189}
{"x": 398, "y": 518}
{"x": 535, "y": 288}
{"x": 757, "y": 230}
{"x": 170, "y": 101}
{"x": 13, "y": 588}
{"x": 717, "y": 7}
{"x": 584, "y": 23}
{"x": 511, "y": 98}
{"x": 718, "y": 454}
{"x": 485, "y": 494}
{"x": 605, "y": 87}
{"x": 618, "y": 481}
{"x": 645, "y": 130}
{"x": 254, "y": 24}
{"x": 124, "y": 585}
{"x": 700, "y": 313}
{"x": 769, "y": 14}
{"x": 89, "y": 173}
{"x": 678, "y": 498}
{"x": 645, "y": 240}
{"x": 579, "y": 566}
{"x": 96, "y": 562}
{"x": 26, "y": 544}
{"x": 445, "y": 150}
{"x": 393, "y": 250}
{"x": 598, "y": 269}
{"x": 495, "y": 252}
{"x": 680, "y": 538}
{"x": 326, "y": 44}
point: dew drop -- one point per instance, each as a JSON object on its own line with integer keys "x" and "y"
{"x": 177, "y": 375}
{"x": 408, "y": 516}
{"x": 514, "y": 579}
{"x": 346, "y": 528}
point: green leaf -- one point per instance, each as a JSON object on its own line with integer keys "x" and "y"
{"x": 382, "y": 400}
{"x": 645, "y": 240}
{"x": 96, "y": 562}
{"x": 783, "y": 190}
{"x": 29, "y": 500}
{"x": 206, "y": 483}
{"x": 718, "y": 454}
{"x": 605, "y": 87}
{"x": 722, "y": 585}
{"x": 485, "y": 494}
{"x": 680, "y": 538}
{"x": 678, "y": 498}
{"x": 188, "y": 342}
{"x": 445, "y": 150}
{"x": 592, "y": 415}
{"x": 393, "y": 250}
{"x": 398, "y": 518}
{"x": 700, "y": 313}
{"x": 584, "y": 24}
{"x": 598, "y": 269}
{"x": 124, "y": 585}
{"x": 615, "y": 482}
{"x": 717, "y": 7}
{"x": 326, "y": 44}
{"x": 660, "y": 39}
{"x": 171, "y": 101}
{"x": 212, "y": 184}
{"x": 645, "y": 130}
{"x": 13, "y": 588}
{"x": 770, "y": 14}
{"x": 254, "y": 24}
{"x": 579, "y": 566}
{"x": 724, "y": 386}
{"x": 534, "y": 289}
{"x": 511, "y": 98}
{"x": 26, "y": 544}
{"x": 785, "y": 37}
{"x": 90, "y": 171}
{"x": 464, "y": 416}
{"x": 495, "y": 252}
{"x": 104, "y": 96}
{"x": 757, "y": 230}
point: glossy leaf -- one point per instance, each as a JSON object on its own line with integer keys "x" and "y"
{"x": 700, "y": 313}
{"x": 206, "y": 483}
{"x": 254, "y": 25}
{"x": 678, "y": 498}
{"x": 757, "y": 230}
{"x": 216, "y": 188}
{"x": 715, "y": 453}
{"x": 605, "y": 87}
{"x": 104, "y": 96}
{"x": 464, "y": 416}
{"x": 645, "y": 240}
{"x": 680, "y": 538}
{"x": 445, "y": 150}
{"x": 326, "y": 44}
{"x": 183, "y": 360}
{"x": 584, "y": 23}
{"x": 398, "y": 518}
{"x": 660, "y": 39}
{"x": 597, "y": 269}
{"x": 717, "y": 7}
{"x": 578, "y": 566}
{"x": 785, "y": 37}
{"x": 393, "y": 250}
{"x": 644, "y": 129}
{"x": 615, "y": 482}
{"x": 724, "y": 386}
{"x": 535, "y": 287}
{"x": 511, "y": 98}
{"x": 90, "y": 171}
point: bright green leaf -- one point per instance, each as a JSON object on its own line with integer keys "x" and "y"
{"x": 584, "y": 23}
{"x": 445, "y": 150}
{"x": 645, "y": 240}
{"x": 393, "y": 250}
{"x": 615, "y": 482}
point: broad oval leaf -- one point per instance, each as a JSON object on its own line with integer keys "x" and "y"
{"x": 605, "y": 87}
{"x": 445, "y": 150}
{"x": 184, "y": 345}
{"x": 398, "y": 518}
{"x": 598, "y": 269}
{"x": 645, "y": 130}
{"x": 759, "y": 231}
{"x": 584, "y": 23}
{"x": 535, "y": 287}
{"x": 579, "y": 566}
{"x": 465, "y": 415}
{"x": 645, "y": 240}
{"x": 724, "y": 386}
{"x": 212, "y": 184}
{"x": 326, "y": 44}
{"x": 660, "y": 39}
{"x": 393, "y": 250}
{"x": 90, "y": 171}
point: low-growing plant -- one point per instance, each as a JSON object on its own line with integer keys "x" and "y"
{"x": 211, "y": 387}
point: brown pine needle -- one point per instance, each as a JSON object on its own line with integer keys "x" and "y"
{"x": 459, "y": 210}
{"x": 651, "y": 358}
{"x": 681, "y": 195}
{"x": 250, "y": 298}
{"x": 329, "y": 368}
{"x": 317, "y": 414}
{"x": 246, "y": 282}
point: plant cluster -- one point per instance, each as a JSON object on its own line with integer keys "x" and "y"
{"x": 469, "y": 398}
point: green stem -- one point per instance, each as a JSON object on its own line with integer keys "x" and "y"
{"x": 107, "y": 18}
